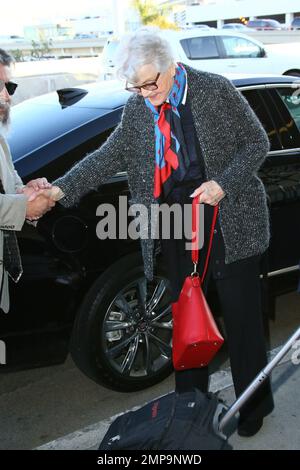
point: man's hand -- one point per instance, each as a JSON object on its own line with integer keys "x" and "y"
{"x": 210, "y": 193}
{"x": 54, "y": 192}
{"x": 30, "y": 192}
{"x": 41, "y": 204}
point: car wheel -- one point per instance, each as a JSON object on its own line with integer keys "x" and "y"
{"x": 122, "y": 335}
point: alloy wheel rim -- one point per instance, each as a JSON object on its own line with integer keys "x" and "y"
{"x": 137, "y": 332}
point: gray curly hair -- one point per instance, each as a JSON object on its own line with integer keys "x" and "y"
{"x": 144, "y": 46}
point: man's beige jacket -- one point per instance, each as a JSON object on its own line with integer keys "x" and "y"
{"x": 12, "y": 211}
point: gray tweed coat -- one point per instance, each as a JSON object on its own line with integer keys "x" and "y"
{"x": 234, "y": 145}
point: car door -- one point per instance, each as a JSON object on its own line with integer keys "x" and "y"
{"x": 242, "y": 55}
{"x": 285, "y": 100}
{"x": 279, "y": 112}
{"x": 55, "y": 257}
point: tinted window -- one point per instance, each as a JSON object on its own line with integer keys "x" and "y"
{"x": 59, "y": 166}
{"x": 291, "y": 99}
{"x": 255, "y": 23}
{"x": 200, "y": 47}
{"x": 259, "y": 103}
{"x": 237, "y": 47}
{"x": 273, "y": 23}
{"x": 287, "y": 103}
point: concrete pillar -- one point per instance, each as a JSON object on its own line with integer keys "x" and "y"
{"x": 118, "y": 11}
{"x": 220, "y": 23}
{"x": 289, "y": 18}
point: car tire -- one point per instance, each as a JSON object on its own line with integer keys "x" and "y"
{"x": 142, "y": 354}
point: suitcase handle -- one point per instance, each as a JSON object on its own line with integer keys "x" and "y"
{"x": 258, "y": 381}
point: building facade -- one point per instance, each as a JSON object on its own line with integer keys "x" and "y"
{"x": 217, "y": 12}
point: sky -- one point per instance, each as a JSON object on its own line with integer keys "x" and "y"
{"x": 18, "y": 13}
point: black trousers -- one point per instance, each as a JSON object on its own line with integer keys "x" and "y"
{"x": 239, "y": 291}
{"x": 240, "y": 299}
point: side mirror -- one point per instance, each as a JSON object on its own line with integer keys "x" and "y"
{"x": 263, "y": 52}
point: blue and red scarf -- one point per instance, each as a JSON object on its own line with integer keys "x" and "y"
{"x": 171, "y": 156}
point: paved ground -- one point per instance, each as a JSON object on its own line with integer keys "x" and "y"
{"x": 42, "y": 405}
{"x": 280, "y": 430}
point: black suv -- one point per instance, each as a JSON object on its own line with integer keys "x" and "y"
{"x": 77, "y": 291}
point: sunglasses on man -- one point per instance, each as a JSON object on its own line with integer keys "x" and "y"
{"x": 147, "y": 86}
{"x": 10, "y": 87}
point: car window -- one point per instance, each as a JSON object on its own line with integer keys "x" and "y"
{"x": 287, "y": 103}
{"x": 255, "y": 23}
{"x": 273, "y": 23}
{"x": 261, "y": 106}
{"x": 291, "y": 99}
{"x": 204, "y": 47}
{"x": 61, "y": 165}
{"x": 236, "y": 47}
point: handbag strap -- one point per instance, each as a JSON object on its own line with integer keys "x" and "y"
{"x": 195, "y": 238}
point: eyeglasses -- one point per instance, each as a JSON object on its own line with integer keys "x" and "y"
{"x": 150, "y": 86}
{"x": 10, "y": 87}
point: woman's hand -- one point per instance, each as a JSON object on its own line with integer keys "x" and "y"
{"x": 210, "y": 193}
{"x": 39, "y": 183}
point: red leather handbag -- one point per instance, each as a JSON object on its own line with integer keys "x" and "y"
{"x": 196, "y": 338}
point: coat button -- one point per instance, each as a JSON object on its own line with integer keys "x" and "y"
{"x": 215, "y": 230}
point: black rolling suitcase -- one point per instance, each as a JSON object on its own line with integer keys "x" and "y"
{"x": 170, "y": 422}
{"x": 186, "y": 421}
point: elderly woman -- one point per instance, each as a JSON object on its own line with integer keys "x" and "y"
{"x": 185, "y": 132}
